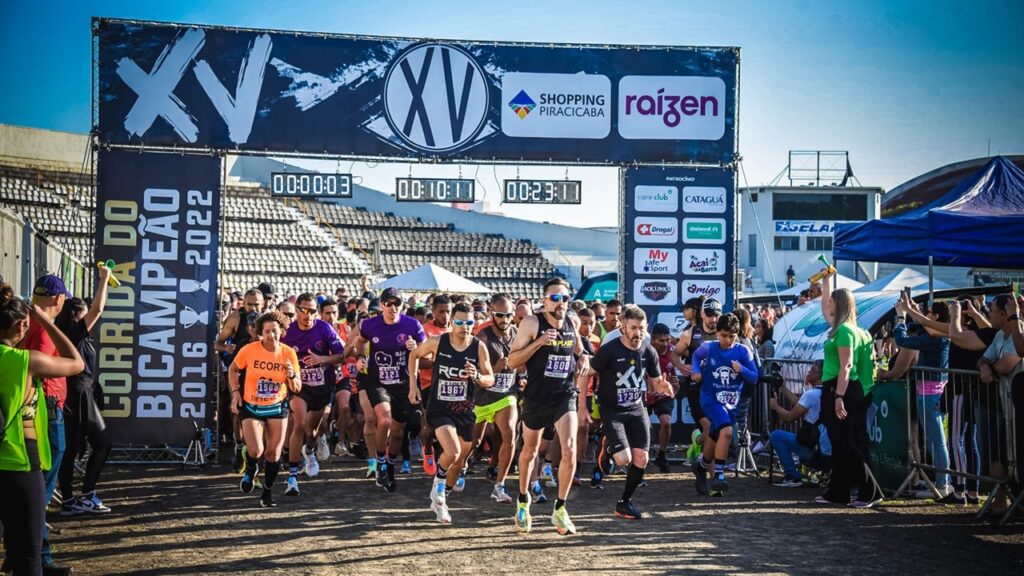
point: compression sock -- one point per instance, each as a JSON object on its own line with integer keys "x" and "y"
{"x": 559, "y": 504}
{"x": 252, "y": 465}
{"x": 634, "y": 476}
{"x": 441, "y": 473}
{"x": 719, "y": 466}
{"x": 271, "y": 474}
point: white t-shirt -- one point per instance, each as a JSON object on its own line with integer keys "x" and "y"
{"x": 811, "y": 400}
{"x": 1003, "y": 346}
{"x": 617, "y": 333}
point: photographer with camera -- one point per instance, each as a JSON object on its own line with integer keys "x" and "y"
{"x": 812, "y": 438}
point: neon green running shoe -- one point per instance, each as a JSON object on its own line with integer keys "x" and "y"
{"x": 523, "y": 519}
{"x": 562, "y": 523}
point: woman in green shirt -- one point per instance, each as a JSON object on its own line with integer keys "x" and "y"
{"x": 843, "y": 402}
{"x": 25, "y": 448}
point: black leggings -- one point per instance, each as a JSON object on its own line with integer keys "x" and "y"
{"x": 22, "y": 512}
{"x": 850, "y": 442}
{"x": 82, "y": 421}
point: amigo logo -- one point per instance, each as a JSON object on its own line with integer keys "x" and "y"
{"x": 656, "y": 198}
{"x": 703, "y": 262}
{"x": 435, "y": 97}
{"x": 704, "y": 199}
{"x": 655, "y": 261}
{"x": 650, "y": 230}
{"x": 704, "y": 230}
{"x": 709, "y": 288}
{"x": 671, "y": 107}
{"x": 663, "y": 292}
{"x": 556, "y": 105}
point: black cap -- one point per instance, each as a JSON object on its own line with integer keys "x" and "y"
{"x": 692, "y": 304}
{"x": 390, "y": 294}
{"x": 712, "y": 306}
{"x": 267, "y": 288}
{"x": 374, "y": 305}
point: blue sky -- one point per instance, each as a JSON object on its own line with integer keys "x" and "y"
{"x": 904, "y": 86}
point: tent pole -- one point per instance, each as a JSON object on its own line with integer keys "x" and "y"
{"x": 931, "y": 280}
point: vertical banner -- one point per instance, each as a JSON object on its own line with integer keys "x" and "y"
{"x": 889, "y": 434}
{"x": 678, "y": 226}
{"x": 157, "y": 217}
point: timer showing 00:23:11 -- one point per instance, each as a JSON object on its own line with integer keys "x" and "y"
{"x": 434, "y": 190}
{"x": 542, "y": 192}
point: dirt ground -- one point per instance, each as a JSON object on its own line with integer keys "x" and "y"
{"x": 168, "y": 521}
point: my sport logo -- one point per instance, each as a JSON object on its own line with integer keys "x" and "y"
{"x": 672, "y": 107}
{"x": 655, "y": 261}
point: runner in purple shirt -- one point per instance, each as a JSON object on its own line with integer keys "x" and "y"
{"x": 317, "y": 345}
{"x": 391, "y": 337}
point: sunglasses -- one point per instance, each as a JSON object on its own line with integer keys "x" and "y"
{"x": 558, "y": 297}
{"x": 305, "y": 310}
{"x": 504, "y": 314}
{"x": 289, "y": 314}
{"x": 392, "y": 304}
{"x": 464, "y": 322}
{"x": 600, "y": 318}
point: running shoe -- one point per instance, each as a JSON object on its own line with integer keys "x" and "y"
{"x": 626, "y": 509}
{"x": 415, "y": 447}
{"x": 267, "y": 499}
{"x": 950, "y": 498}
{"x": 440, "y": 508}
{"x": 560, "y": 520}
{"x": 406, "y": 467}
{"x": 237, "y": 462}
{"x": 662, "y": 462}
{"x": 719, "y": 484}
{"x": 523, "y": 520}
{"x": 391, "y": 486}
{"x": 499, "y": 494}
{"x": 382, "y": 474}
{"x": 341, "y": 450}
{"x": 789, "y": 483}
{"x": 292, "y": 488}
{"x": 312, "y": 467}
{"x": 90, "y": 503}
{"x": 323, "y": 451}
{"x": 436, "y": 492}
{"x": 460, "y": 484}
{"x": 492, "y": 473}
{"x": 429, "y": 465}
{"x": 716, "y": 494}
{"x": 69, "y": 508}
{"x": 246, "y": 485}
{"x": 371, "y": 467}
{"x": 700, "y": 475}
{"x": 596, "y": 478}
{"x": 864, "y": 504}
{"x": 547, "y": 476}
{"x": 538, "y": 492}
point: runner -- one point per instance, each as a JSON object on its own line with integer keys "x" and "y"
{"x": 321, "y": 349}
{"x": 658, "y": 404}
{"x": 461, "y": 363}
{"x": 391, "y": 337}
{"x": 441, "y": 307}
{"x": 610, "y": 322}
{"x": 549, "y": 347}
{"x": 271, "y": 372}
{"x": 498, "y": 405}
{"x": 626, "y": 368}
{"x": 362, "y": 404}
{"x": 703, "y": 317}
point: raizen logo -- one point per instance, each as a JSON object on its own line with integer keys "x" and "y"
{"x": 703, "y": 230}
{"x": 671, "y": 108}
{"x": 435, "y": 97}
{"x": 704, "y": 199}
{"x": 656, "y": 198}
{"x": 555, "y": 105}
{"x": 651, "y": 230}
{"x": 653, "y": 291}
{"x": 699, "y": 262}
{"x": 655, "y": 260}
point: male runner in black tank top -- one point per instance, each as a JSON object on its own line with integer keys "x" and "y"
{"x": 461, "y": 365}
{"x": 235, "y": 328}
{"x": 550, "y": 348}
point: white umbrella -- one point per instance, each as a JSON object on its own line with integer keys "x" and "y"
{"x": 901, "y": 279}
{"x": 433, "y": 278}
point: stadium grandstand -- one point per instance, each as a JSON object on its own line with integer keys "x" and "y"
{"x": 297, "y": 245}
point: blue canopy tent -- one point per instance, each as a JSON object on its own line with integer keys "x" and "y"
{"x": 978, "y": 223}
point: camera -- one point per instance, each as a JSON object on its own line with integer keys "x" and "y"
{"x": 773, "y": 377}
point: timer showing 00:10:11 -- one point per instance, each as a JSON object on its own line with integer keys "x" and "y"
{"x": 434, "y": 190}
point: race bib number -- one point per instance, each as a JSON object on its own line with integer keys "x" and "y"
{"x": 451, "y": 390}
{"x": 267, "y": 389}
{"x": 313, "y": 376}
{"x": 558, "y": 366}
{"x": 503, "y": 382}
{"x": 728, "y": 399}
{"x": 389, "y": 375}
{"x": 629, "y": 396}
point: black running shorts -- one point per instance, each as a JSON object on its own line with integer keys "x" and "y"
{"x": 537, "y": 415}
{"x": 463, "y": 423}
{"x": 661, "y": 407}
{"x": 626, "y": 430}
{"x": 396, "y": 396}
{"x": 316, "y": 397}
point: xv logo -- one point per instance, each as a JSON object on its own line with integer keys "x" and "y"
{"x": 436, "y": 97}
{"x": 156, "y": 88}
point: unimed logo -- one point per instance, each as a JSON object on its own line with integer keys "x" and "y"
{"x": 704, "y": 230}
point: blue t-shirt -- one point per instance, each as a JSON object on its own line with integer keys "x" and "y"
{"x": 321, "y": 339}
{"x": 388, "y": 361}
{"x": 719, "y": 382}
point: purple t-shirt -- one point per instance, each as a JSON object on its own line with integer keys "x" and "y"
{"x": 388, "y": 362}
{"x": 321, "y": 340}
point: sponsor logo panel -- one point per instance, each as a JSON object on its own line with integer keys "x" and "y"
{"x": 671, "y": 108}
{"x": 655, "y": 260}
{"x": 656, "y": 291}
{"x": 704, "y": 230}
{"x": 704, "y": 199}
{"x": 555, "y": 105}
{"x": 656, "y": 198}
{"x": 703, "y": 262}
{"x": 655, "y": 230}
